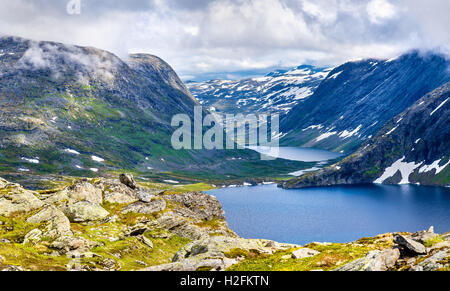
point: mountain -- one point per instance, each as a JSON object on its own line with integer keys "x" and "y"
{"x": 277, "y": 92}
{"x": 358, "y": 98}
{"x": 414, "y": 147}
{"x": 78, "y": 110}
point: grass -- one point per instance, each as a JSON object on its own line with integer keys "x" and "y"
{"x": 433, "y": 241}
{"x": 331, "y": 256}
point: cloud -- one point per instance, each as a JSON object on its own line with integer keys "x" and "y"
{"x": 379, "y": 10}
{"x": 205, "y": 37}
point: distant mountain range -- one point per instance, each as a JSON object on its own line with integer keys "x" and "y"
{"x": 277, "y": 92}
{"x": 357, "y": 98}
{"x": 412, "y": 148}
{"x": 77, "y": 111}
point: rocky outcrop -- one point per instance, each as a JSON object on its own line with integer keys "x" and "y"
{"x": 215, "y": 253}
{"x": 374, "y": 261}
{"x": 410, "y": 245}
{"x": 15, "y": 199}
{"x": 198, "y": 206}
{"x": 85, "y": 211}
{"x": 57, "y": 224}
{"x": 304, "y": 253}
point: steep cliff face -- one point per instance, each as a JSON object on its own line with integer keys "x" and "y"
{"x": 358, "y": 98}
{"x": 414, "y": 147}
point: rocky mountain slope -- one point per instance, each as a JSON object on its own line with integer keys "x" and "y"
{"x": 414, "y": 147}
{"x": 80, "y": 111}
{"x": 277, "y": 92}
{"x": 358, "y": 98}
{"x": 109, "y": 224}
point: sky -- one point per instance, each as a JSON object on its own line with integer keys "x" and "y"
{"x": 206, "y": 39}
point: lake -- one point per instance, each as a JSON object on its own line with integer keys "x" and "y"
{"x": 297, "y": 154}
{"x": 335, "y": 214}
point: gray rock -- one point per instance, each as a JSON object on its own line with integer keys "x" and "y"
{"x": 85, "y": 211}
{"x": 80, "y": 191}
{"x": 374, "y": 261}
{"x": 156, "y": 205}
{"x": 33, "y": 236}
{"x": 432, "y": 263}
{"x": 410, "y": 244}
{"x": 192, "y": 265}
{"x": 146, "y": 241}
{"x": 304, "y": 253}
{"x": 57, "y": 223}
{"x": 147, "y": 196}
{"x": 198, "y": 206}
{"x": 423, "y": 236}
{"x": 15, "y": 199}
{"x": 128, "y": 180}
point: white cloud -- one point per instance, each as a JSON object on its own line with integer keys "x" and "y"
{"x": 203, "y": 36}
{"x": 380, "y": 10}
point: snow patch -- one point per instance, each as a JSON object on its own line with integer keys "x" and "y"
{"x": 97, "y": 159}
{"x": 347, "y": 134}
{"x": 325, "y": 136}
{"x": 439, "y": 107}
{"x": 434, "y": 166}
{"x": 70, "y": 151}
{"x": 335, "y": 75}
{"x": 95, "y": 170}
{"x": 405, "y": 169}
{"x": 31, "y": 161}
{"x": 171, "y": 182}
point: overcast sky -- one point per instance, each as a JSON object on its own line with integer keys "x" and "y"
{"x": 204, "y": 37}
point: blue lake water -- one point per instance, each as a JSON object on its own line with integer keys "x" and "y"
{"x": 297, "y": 154}
{"x": 335, "y": 214}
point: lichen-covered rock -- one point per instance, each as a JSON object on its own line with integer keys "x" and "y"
{"x": 128, "y": 180}
{"x": 57, "y": 223}
{"x": 410, "y": 244}
{"x": 198, "y": 206}
{"x": 374, "y": 261}
{"x": 304, "y": 253}
{"x": 15, "y": 199}
{"x": 80, "y": 191}
{"x": 33, "y": 236}
{"x": 423, "y": 236}
{"x": 217, "y": 247}
{"x": 85, "y": 211}
{"x": 220, "y": 264}
{"x": 156, "y": 205}
{"x": 67, "y": 244}
{"x": 433, "y": 262}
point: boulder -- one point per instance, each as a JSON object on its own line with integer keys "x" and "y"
{"x": 128, "y": 180}
{"x": 198, "y": 206}
{"x": 85, "y": 211}
{"x": 15, "y": 199}
{"x": 148, "y": 195}
{"x": 374, "y": 261}
{"x": 192, "y": 265}
{"x": 57, "y": 223}
{"x": 304, "y": 253}
{"x": 66, "y": 244}
{"x": 218, "y": 246}
{"x": 423, "y": 236}
{"x": 433, "y": 263}
{"x": 146, "y": 241}
{"x": 33, "y": 236}
{"x": 410, "y": 245}
{"x": 156, "y": 205}
{"x": 80, "y": 191}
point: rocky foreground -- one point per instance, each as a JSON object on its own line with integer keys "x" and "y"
{"x": 108, "y": 224}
